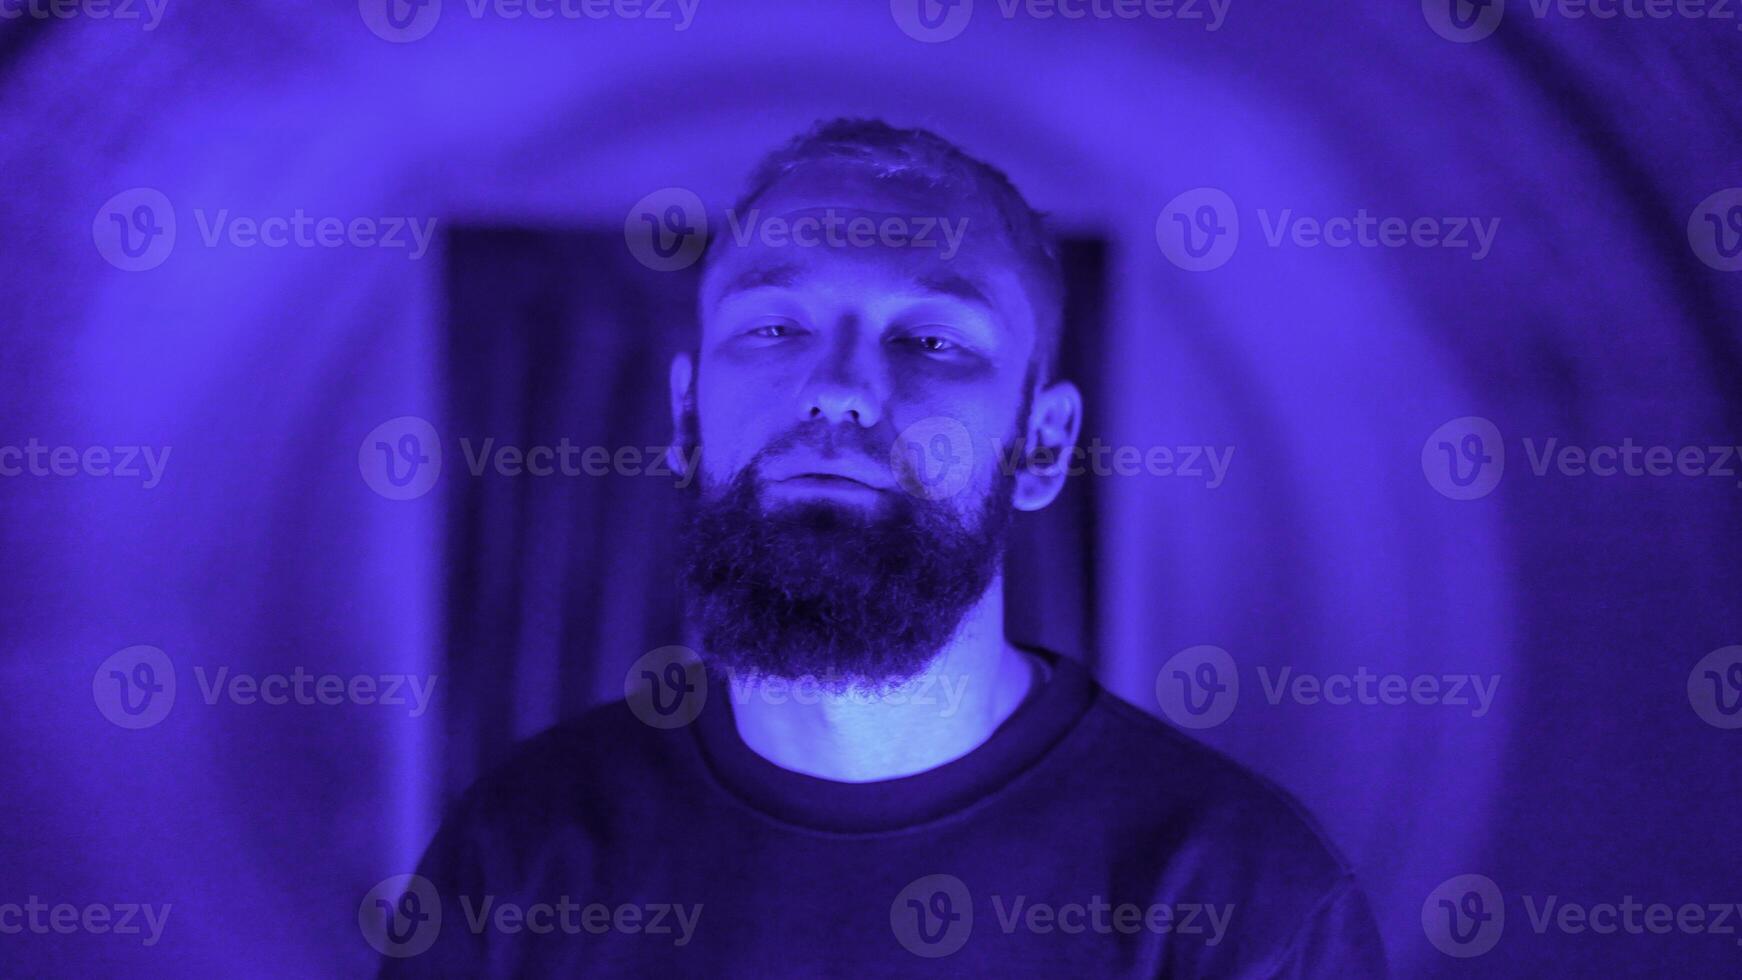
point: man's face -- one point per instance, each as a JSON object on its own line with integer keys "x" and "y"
{"x": 853, "y": 394}
{"x": 828, "y": 352}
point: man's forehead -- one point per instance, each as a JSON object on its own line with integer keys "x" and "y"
{"x": 771, "y": 270}
{"x": 816, "y": 225}
{"x": 847, "y": 185}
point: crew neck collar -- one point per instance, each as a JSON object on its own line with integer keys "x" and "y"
{"x": 1044, "y": 717}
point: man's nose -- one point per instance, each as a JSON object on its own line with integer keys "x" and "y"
{"x": 840, "y": 404}
{"x": 842, "y": 390}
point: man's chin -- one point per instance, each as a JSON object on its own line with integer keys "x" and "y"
{"x": 840, "y": 627}
{"x": 824, "y": 512}
{"x": 853, "y": 595}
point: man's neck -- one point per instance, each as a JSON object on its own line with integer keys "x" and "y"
{"x": 944, "y": 713}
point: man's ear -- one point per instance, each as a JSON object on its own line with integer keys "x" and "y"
{"x": 683, "y": 398}
{"x": 1055, "y": 417}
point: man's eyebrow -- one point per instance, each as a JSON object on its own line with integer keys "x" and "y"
{"x": 958, "y": 286}
{"x": 779, "y": 276}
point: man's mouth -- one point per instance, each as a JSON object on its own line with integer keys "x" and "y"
{"x": 831, "y": 485}
{"x": 827, "y": 479}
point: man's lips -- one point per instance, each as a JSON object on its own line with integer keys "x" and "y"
{"x": 826, "y": 481}
{"x": 844, "y": 472}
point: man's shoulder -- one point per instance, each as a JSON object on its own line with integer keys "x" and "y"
{"x": 574, "y": 766}
{"x": 1229, "y": 813}
{"x": 1231, "y": 837}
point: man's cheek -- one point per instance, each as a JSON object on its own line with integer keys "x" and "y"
{"x": 717, "y": 427}
{"x": 716, "y": 475}
{"x": 725, "y": 451}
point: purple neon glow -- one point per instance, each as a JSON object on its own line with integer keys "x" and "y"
{"x": 1590, "y": 320}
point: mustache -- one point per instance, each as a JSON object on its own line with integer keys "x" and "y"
{"x": 828, "y": 440}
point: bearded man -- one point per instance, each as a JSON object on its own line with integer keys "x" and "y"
{"x": 859, "y": 774}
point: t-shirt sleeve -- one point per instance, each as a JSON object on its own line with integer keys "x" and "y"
{"x": 452, "y": 866}
{"x": 1338, "y": 939}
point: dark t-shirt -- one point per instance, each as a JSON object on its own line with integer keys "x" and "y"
{"x": 1085, "y": 838}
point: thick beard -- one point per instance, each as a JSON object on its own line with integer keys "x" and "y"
{"x": 845, "y": 597}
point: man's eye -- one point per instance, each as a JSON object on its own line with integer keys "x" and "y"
{"x": 931, "y": 343}
{"x": 771, "y": 330}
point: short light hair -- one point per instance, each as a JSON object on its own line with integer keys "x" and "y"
{"x": 921, "y": 157}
